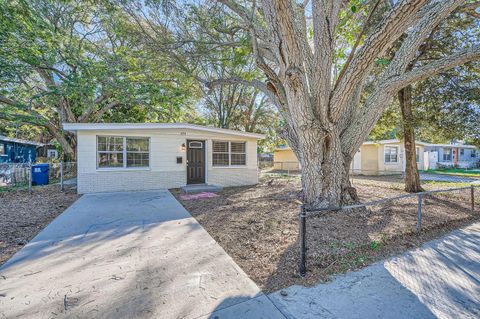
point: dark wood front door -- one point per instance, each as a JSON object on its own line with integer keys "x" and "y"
{"x": 195, "y": 162}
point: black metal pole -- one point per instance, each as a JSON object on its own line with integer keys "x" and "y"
{"x": 303, "y": 242}
{"x": 419, "y": 213}
{"x": 472, "y": 195}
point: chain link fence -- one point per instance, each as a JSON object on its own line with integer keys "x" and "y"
{"x": 14, "y": 174}
{"x": 384, "y": 218}
{"x": 19, "y": 175}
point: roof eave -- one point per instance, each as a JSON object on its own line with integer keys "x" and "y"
{"x": 73, "y": 127}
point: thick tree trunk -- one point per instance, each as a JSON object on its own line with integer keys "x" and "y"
{"x": 412, "y": 177}
{"x": 325, "y": 172}
{"x": 68, "y": 148}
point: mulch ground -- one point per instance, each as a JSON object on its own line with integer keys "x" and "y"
{"x": 258, "y": 227}
{"x": 23, "y": 215}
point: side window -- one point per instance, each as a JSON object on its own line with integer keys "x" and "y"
{"x": 391, "y": 154}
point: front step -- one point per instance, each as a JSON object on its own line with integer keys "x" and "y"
{"x": 199, "y": 188}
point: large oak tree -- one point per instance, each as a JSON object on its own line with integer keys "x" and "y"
{"x": 327, "y": 115}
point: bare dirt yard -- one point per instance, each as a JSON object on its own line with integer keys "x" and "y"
{"x": 258, "y": 227}
{"x": 23, "y": 215}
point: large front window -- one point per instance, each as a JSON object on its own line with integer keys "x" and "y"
{"x": 2, "y": 150}
{"x": 226, "y": 153}
{"x": 391, "y": 154}
{"x": 417, "y": 154}
{"x": 122, "y": 152}
{"x": 447, "y": 154}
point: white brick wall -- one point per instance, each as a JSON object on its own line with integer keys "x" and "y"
{"x": 232, "y": 176}
{"x": 115, "y": 181}
{"x": 164, "y": 172}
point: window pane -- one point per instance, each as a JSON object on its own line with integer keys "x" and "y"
{"x": 220, "y": 147}
{"x": 110, "y": 143}
{"x": 238, "y": 147}
{"x": 137, "y": 159}
{"x": 238, "y": 159}
{"x": 391, "y": 154}
{"x": 2, "y": 149}
{"x": 110, "y": 159}
{"x": 137, "y": 144}
{"x": 220, "y": 159}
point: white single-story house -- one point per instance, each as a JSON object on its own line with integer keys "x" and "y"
{"x": 125, "y": 156}
{"x": 388, "y": 157}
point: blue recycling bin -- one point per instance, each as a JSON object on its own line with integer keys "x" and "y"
{"x": 40, "y": 174}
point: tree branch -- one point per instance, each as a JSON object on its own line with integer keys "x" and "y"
{"x": 438, "y": 66}
{"x": 6, "y": 100}
{"x": 381, "y": 39}
{"x": 357, "y": 42}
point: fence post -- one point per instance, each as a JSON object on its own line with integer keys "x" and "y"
{"x": 61, "y": 176}
{"x": 419, "y": 216}
{"x": 472, "y": 193}
{"x": 13, "y": 178}
{"x": 30, "y": 178}
{"x": 303, "y": 242}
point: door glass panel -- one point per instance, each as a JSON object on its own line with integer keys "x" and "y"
{"x": 195, "y": 144}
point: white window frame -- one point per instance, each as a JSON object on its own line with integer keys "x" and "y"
{"x": 417, "y": 154}
{"x": 52, "y": 151}
{"x": 450, "y": 152}
{"x": 385, "y": 153}
{"x": 230, "y": 154}
{"x": 124, "y": 167}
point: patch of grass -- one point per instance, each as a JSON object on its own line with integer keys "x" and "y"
{"x": 375, "y": 245}
{"x": 438, "y": 185}
{"x": 17, "y": 187}
{"x": 455, "y": 171}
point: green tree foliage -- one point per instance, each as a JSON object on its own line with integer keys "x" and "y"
{"x": 446, "y": 107}
{"x": 204, "y": 42}
{"x": 70, "y": 61}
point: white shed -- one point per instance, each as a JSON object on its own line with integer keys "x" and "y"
{"x": 124, "y": 157}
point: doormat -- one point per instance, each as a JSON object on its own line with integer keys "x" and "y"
{"x": 198, "y": 196}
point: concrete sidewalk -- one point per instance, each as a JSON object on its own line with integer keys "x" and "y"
{"x": 127, "y": 255}
{"x": 439, "y": 280}
{"x": 448, "y": 178}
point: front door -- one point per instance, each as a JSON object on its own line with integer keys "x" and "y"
{"x": 195, "y": 162}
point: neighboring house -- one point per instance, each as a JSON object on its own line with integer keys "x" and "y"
{"x": 455, "y": 155}
{"x": 48, "y": 151}
{"x": 388, "y": 156}
{"x": 14, "y": 150}
{"x": 284, "y": 159}
{"x": 124, "y": 157}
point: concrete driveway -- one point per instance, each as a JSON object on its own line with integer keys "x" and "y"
{"x": 439, "y": 280}
{"x": 127, "y": 255}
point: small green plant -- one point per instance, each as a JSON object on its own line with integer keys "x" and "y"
{"x": 374, "y": 245}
